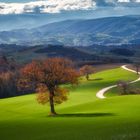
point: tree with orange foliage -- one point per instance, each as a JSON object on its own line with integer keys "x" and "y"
{"x": 47, "y": 76}
{"x": 86, "y": 70}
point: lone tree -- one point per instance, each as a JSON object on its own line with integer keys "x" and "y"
{"x": 86, "y": 70}
{"x": 137, "y": 66}
{"x": 46, "y": 76}
{"x": 123, "y": 86}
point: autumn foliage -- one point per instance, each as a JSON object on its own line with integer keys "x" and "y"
{"x": 47, "y": 76}
{"x": 43, "y": 95}
{"x": 8, "y": 77}
{"x": 86, "y": 70}
{"x": 8, "y": 86}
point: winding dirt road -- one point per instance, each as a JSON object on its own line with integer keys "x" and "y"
{"x": 100, "y": 94}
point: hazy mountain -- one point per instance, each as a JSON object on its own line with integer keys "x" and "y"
{"x": 27, "y": 21}
{"x": 32, "y": 20}
{"x": 104, "y": 31}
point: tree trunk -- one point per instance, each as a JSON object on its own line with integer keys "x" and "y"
{"x": 125, "y": 90}
{"x": 137, "y": 71}
{"x": 52, "y": 109}
{"x": 87, "y": 76}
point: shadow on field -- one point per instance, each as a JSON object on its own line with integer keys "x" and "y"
{"x": 86, "y": 115}
{"x": 96, "y": 79}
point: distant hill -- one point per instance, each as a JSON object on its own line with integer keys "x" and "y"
{"x": 89, "y": 54}
{"x": 104, "y": 31}
{"x": 25, "y": 54}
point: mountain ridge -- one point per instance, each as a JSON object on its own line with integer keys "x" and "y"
{"x": 101, "y": 31}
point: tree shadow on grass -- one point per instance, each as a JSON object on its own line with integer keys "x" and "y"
{"x": 96, "y": 79}
{"x": 86, "y": 115}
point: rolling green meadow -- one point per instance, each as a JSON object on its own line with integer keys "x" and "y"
{"x": 82, "y": 117}
{"x": 69, "y": 69}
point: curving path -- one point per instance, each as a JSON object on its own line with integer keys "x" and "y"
{"x": 101, "y": 93}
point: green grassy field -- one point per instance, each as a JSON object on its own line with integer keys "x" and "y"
{"x": 82, "y": 117}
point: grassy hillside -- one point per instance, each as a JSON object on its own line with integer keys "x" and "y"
{"x": 115, "y": 91}
{"x": 82, "y": 117}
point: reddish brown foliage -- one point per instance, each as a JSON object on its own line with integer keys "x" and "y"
{"x": 46, "y": 76}
{"x": 8, "y": 86}
{"x": 60, "y": 95}
{"x": 7, "y": 65}
{"x": 86, "y": 70}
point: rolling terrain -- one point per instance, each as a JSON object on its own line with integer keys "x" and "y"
{"x": 83, "y": 116}
{"x": 102, "y": 31}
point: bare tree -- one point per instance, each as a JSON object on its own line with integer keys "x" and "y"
{"x": 137, "y": 66}
{"x": 123, "y": 86}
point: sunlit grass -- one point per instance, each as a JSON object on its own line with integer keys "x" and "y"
{"x": 82, "y": 117}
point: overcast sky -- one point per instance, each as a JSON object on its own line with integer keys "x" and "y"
{"x": 57, "y": 6}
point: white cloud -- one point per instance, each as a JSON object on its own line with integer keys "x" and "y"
{"x": 123, "y": 0}
{"x": 46, "y": 6}
{"x": 131, "y": 1}
{"x": 55, "y": 6}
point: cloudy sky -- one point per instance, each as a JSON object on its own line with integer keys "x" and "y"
{"x": 57, "y": 6}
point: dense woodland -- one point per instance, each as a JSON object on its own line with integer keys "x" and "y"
{"x": 8, "y": 77}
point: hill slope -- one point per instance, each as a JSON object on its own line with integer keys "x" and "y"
{"x": 82, "y": 117}
{"x": 104, "y": 31}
